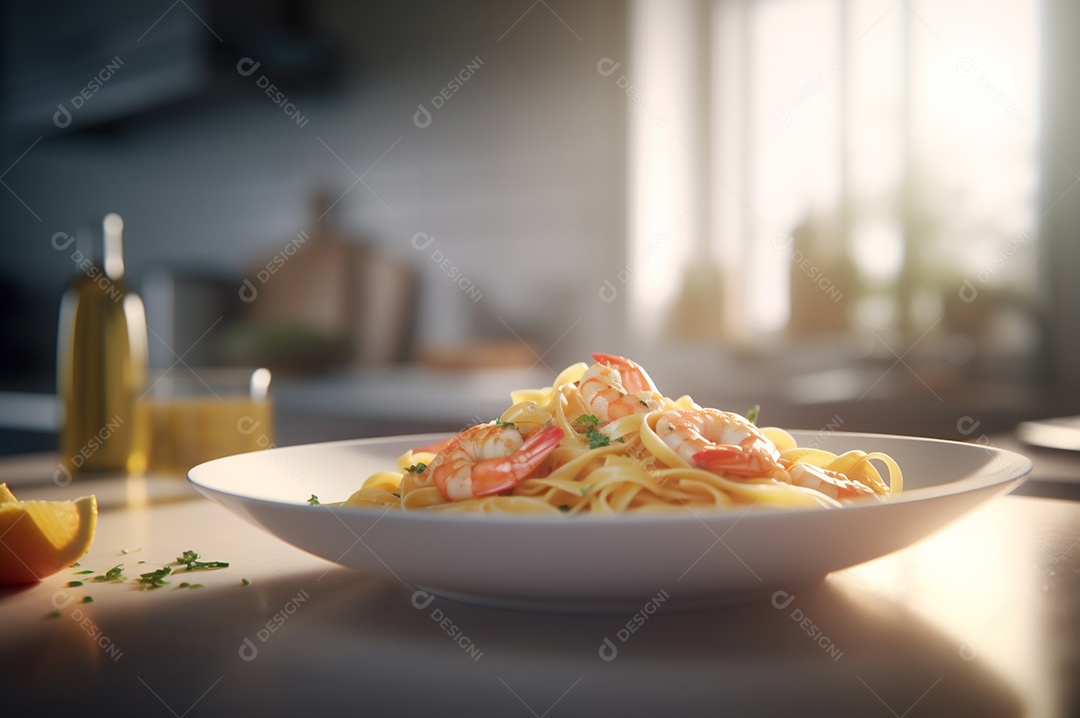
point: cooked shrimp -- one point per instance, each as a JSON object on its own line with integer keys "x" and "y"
{"x": 489, "y": 459}
{"x": 719, "y": 441}
{"x": 830, "y": 483}
{"x": 434, "y": 447}
{"x": 615, "y": 387}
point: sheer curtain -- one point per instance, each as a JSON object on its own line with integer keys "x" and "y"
{"x": 862, "y": 171}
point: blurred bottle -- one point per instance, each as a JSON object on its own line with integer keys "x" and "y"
{"x": 102, "y": 360}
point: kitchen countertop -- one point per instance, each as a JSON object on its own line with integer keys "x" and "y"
{"x": 981, "y": 619}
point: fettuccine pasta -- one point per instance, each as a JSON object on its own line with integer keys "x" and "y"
{"x": 601, "y": 439}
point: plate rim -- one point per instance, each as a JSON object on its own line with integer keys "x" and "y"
{"x": 1006, "y": 480}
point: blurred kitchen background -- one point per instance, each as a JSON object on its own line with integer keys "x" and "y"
{"x": 860, "y": 214}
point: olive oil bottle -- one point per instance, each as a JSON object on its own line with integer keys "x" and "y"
{"x": 101, "y": 360}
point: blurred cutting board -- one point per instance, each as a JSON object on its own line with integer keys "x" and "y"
{"x": 325, "y": 280}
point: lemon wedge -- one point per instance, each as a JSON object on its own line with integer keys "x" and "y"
{"x": 39, "y": 538}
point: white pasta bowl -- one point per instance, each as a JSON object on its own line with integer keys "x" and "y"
{"x": 601, "y": 563}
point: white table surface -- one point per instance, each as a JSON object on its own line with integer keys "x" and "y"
{"x": 982, "y": 619}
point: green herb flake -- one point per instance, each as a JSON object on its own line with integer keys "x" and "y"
{"x": 507, "y": 424}
{"x": 597, "y": 439}
{"x": 417, "y": 468}
{"x": 114, "y": 574}
{"x": 246, "y": 581}
{"x": 565, "y": 508}
{"x": 83, "y": 573}
{"x": 190, "y": 561}
{"x": 752, "y": 414}
{"x": 314, "y": 500}
{"x": 155, "y": 579}
{"x": 55, "y": 614}
{"x": 74, "y": 584}
{"x": 88, "y": 599}
{"x": 75, "y": 565}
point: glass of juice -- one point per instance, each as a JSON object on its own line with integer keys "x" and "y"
{"x": 196, "y": 414}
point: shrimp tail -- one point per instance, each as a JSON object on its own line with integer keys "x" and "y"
{"x": 493, "y": 476}
{"x": 633, "y": 375}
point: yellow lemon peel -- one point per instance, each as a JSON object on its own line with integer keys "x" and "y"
{"x": 39, "y": 538}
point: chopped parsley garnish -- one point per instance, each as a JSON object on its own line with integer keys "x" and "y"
{"x": 82, "y": 573}
{"x": 314, "y": 500}
{"x": 189, "y": 559}
{"x": 564, "y": 508}
{"x": 596, "y": 438}
{"x": 155, "y": 579}
{"x": 507, "y": 424}
{"x": 74, "y": 584}
{"x": 191, "y": 562}
{"x": 55, "y": 614}
{"x": 246, "y": 581}
{"x": 185, "y": 584}
{"x": 752, "y": 414}
{"x": 87, "y": 599}
{"x": 114, "y": 574}
{"x": 417, "y": 468}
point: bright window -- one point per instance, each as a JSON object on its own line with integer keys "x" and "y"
{"x": 810, "y": 168}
